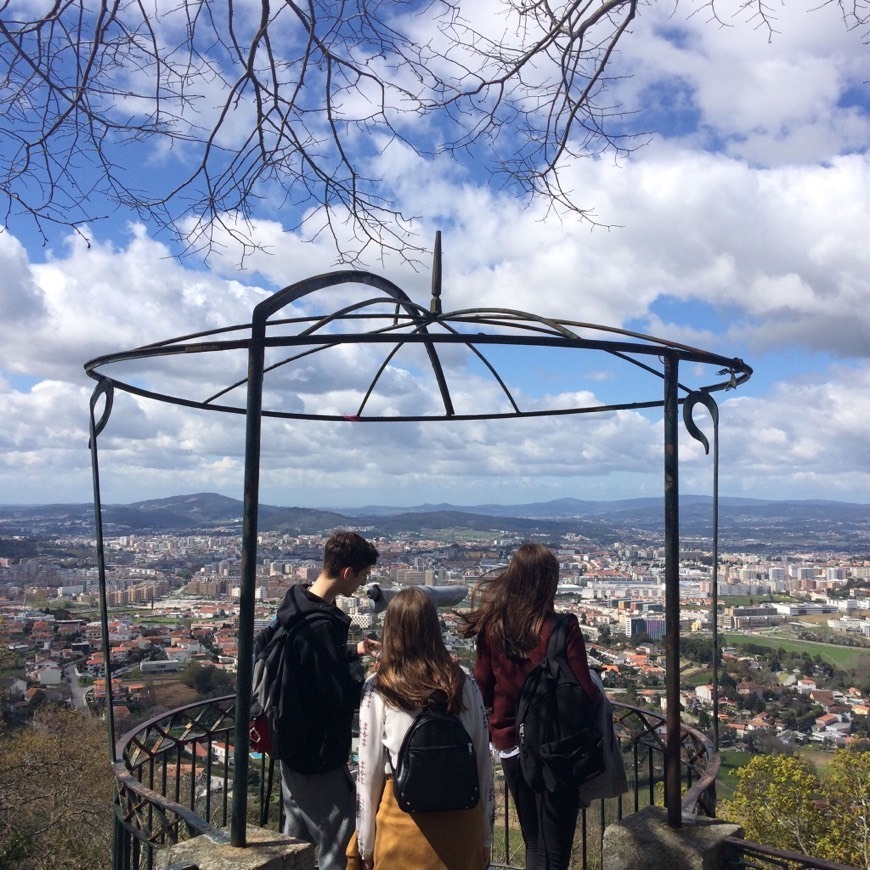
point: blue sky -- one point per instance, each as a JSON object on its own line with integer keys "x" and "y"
{"x": 740, "y": 227}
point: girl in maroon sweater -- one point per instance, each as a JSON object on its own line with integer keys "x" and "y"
{"x": 513, "y": 619}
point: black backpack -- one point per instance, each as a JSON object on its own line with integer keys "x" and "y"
{"x": 274, "y": 694}
{"x": 560, "y": 742}
{"x": 436, "y": 769}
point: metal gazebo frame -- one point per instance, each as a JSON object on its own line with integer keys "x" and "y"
{"x": 393, "y": 321}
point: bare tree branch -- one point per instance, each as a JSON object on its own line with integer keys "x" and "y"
{"x": 199, "y": 115}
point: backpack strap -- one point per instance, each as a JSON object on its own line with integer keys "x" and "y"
{"x": 279, "y": 633}
{"x": 436, "y": 702}
{"x": 558, "y": 644}
{"x": 276, "y": 640}
{"x": 264, "y": 638}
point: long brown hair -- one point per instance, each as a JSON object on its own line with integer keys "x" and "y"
{"x": 511, "y": 606}
{"x": 415, "y": 666}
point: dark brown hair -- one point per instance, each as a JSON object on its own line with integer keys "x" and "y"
{"x": 511, "y": 606}
{"x": 347, "y": 550}
{"x": 415, "y": 666}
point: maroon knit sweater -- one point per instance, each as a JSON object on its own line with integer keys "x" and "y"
{"x": 500, "y": 678}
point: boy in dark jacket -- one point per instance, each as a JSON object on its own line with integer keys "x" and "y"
{"x": 314, "y": 737}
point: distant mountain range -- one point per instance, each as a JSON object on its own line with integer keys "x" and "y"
{"x": 563, "y": 508}
{"x": 748, "y": 524}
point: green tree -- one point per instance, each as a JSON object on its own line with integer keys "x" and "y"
{"x": 752, "y": 703}
{"x": 775, "y": 802}
{"x": 698, "y": 649}
{"x": 727, "y": 684}
{"x": 55, "y": 794}
{"x": 207, "y": 680}
{"x": 807, "y": 718}
{"x": 789, "y": 719}
{"x": 7, "y": 661}
{"x": 206, "y": 638}
{"x": 847, "y": 808}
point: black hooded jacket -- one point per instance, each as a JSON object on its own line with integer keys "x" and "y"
{"x": 319, "y": 694}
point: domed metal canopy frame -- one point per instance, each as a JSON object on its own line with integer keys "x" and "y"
{"x": 393, "y": 323}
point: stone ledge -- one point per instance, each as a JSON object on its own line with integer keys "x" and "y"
{"x": 266, "y": 850}
{"x": 644, "y": 841}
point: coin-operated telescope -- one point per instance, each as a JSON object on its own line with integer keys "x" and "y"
{"x": 443, "y": 596}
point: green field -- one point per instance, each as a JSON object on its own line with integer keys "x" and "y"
{"x": 732, "y": 760}
{"x": 701, "y": 678}
{"x": 843, "y": 657}
{"x": 750, "y": 600}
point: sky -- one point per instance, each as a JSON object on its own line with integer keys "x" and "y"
{"x": 741, "y": 227}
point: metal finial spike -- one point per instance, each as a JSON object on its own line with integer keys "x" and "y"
{"x": 435, "y": 304}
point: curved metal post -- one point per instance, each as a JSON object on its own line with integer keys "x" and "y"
{"x": 705, "y": 399}
{"x": 672, "y": 593}
{"x": 103, "y": 388}
{"x": 244, "y": 668}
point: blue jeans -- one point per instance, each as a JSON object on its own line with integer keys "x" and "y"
{"x": 320, "y": 808}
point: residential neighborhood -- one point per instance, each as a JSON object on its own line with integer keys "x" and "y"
{"x": 173, "y": 604}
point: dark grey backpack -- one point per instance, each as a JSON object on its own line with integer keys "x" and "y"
{"x": 560, "y": 740}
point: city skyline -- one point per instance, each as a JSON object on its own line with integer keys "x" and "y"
{"x": 740, "y": 228}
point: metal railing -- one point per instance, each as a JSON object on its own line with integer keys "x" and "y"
{"x": 745, "y": 855}
{"x": 642, "y": 735}
{"x": 174, "y": 781}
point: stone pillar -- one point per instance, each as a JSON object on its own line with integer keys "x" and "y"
{"x": 644, "y": 841}
{"x": 266, "y": 850}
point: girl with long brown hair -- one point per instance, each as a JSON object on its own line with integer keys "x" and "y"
{"x": 513, "y": 617}
{"x": 414, "y": 669}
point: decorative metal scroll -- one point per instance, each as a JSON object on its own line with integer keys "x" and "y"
{"x": 699, "y": 397}
{"x": 104, "y": 389}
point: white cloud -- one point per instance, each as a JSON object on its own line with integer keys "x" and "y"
{"x": 760, "y": 245}
{"x": 21, "y": 301}
{"x": 772, "y": 97}
{"x": 99, "y": 298}
{"x": 806, "y": 439}
{"x": 757, "y": 251}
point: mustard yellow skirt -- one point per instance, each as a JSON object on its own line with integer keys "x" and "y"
{"x": 426, "y": 841}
